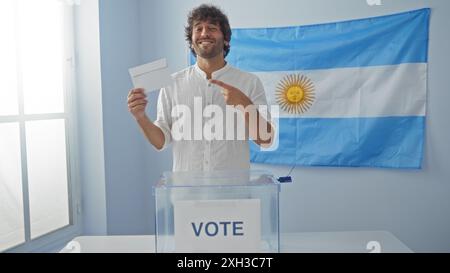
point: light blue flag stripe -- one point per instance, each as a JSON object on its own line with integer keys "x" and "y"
{"x": 385, "y": 40}
{"x": 389, "y": 142}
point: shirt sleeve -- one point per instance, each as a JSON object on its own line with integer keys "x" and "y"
{"x": 258, "y": 97}
{"x": 163, "y": 116}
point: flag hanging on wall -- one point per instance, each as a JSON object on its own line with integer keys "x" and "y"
{"x": 350, "y": 93}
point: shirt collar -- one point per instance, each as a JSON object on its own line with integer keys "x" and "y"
{"x": 215, "y": 74}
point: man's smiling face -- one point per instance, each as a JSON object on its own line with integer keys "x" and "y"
{"x": 207, "y": 39}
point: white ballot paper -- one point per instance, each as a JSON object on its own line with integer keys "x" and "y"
{"x": 151, "y": 76}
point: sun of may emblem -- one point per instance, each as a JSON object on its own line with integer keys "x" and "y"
{"x": 295, "y": 94}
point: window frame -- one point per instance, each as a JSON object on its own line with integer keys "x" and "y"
{"x": 56, "y": 239}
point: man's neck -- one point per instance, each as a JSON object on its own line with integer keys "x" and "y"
{"x": 210, "y": 65}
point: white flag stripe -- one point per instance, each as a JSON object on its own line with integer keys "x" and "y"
{"x": 379, "y": 91}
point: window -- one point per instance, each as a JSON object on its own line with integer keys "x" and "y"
{"x": 38, "y": 189}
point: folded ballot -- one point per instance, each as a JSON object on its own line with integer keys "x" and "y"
{"x": 151, "y": 76}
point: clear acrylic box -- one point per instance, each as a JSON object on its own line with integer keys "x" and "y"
{"x": 217, "y": 211}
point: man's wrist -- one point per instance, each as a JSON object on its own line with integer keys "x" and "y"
{"x": 143, "y": 118}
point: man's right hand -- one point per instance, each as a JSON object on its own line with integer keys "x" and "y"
{"x": 137, "y": 101}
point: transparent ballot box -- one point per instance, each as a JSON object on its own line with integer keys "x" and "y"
{"x": 217, "y": 212}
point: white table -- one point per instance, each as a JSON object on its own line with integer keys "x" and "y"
{"x": 311, "y": 242}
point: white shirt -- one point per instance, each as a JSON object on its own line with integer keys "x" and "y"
{"x": 205, "y": 155}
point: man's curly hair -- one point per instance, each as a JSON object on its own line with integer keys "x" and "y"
{"x": 213, "y": 15}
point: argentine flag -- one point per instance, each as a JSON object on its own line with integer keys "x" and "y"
{"x": 350, "y": 93}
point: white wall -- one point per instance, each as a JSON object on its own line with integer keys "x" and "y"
{"x": 90, "y": 119}
{"x": 128, "y": 183}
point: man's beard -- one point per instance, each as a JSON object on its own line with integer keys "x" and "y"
{"x": 209, "y": 52}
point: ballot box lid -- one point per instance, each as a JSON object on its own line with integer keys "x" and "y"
{"x": 216, "y": 179}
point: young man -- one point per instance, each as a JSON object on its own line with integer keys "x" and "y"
{"x": 211, "y": 81}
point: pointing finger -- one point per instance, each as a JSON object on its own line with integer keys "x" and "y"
{"x": 222, "y": 84}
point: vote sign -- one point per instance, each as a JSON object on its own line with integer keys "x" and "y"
{"x": 217, "y": 225}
